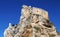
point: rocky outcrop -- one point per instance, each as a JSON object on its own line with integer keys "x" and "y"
{"x": 34, "y": 22}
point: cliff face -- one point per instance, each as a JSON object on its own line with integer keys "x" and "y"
{"x": 34, "y": 22}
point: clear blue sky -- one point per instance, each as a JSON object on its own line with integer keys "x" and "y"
{"x": 10, "y": 11}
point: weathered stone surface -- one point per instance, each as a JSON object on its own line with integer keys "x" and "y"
{"x": 34, "y": 22}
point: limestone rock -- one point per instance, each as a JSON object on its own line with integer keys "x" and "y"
{"x": 34, "y": 22}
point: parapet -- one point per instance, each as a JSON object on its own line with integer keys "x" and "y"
{"x": 27, "y": 10}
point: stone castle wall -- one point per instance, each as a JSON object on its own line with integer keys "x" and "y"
{"x": 27, "y": 10}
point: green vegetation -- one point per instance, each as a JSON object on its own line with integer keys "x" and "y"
{"x": 42, "y": 33}
{"x": 35, "y": 35}
{"x": 37, "y": 28}
{"x": 18, "y": 26}
{"x": 51, "y": 24}
{"x": 51, "y": 35}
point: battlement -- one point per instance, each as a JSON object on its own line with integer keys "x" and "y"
{"x": 26, "y": 10}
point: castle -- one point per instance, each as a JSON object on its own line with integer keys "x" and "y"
{"x": 34, "y": 22}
